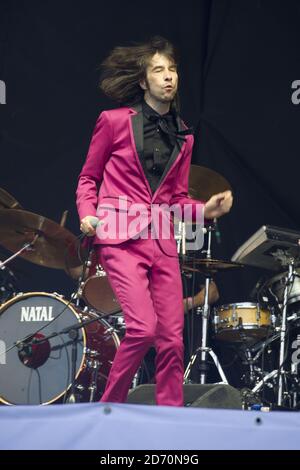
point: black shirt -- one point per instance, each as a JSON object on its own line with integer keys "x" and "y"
{"x": 158, "y": 145}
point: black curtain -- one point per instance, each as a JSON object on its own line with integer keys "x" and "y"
{"x": 238, "y": 62}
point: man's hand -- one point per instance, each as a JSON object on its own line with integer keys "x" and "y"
{"x": 86, "y": 226}
{"x": 218, "y": 205}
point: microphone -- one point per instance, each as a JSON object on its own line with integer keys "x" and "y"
{"x": 94, "y": 221}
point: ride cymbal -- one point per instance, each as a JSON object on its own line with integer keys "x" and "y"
{"x": 204, "y": 183}
{"x": 54, "y": 246}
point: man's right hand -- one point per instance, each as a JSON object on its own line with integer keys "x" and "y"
{"x": 86, "y": 227}
{"x": 218, "y": 205}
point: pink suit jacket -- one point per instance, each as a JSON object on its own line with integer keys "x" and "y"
{"x": 113, "y": 171}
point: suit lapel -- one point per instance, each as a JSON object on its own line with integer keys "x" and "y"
{"x": 137, "y": 125}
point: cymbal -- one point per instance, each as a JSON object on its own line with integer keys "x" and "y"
{"x": 54, "y": 247}
{"x": 7, "y": 201}
{"x": 208, "y": 265}
{"x": 204, "y": 183}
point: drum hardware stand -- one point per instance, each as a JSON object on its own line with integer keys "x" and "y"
{"x": 261, "y": 346}
{"x": 295, "y": 385}
{"x": 203, "y": 349}
{"x": 93, "y": 364}
{"x": 249, "y": 361}
{"x": 265, "y": 380}
{"x": 283, "y": 329}
{"x": 280, "y": 373}
{"x": 136, "y": 379}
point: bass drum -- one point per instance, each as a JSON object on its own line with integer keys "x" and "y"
{"x": 33, "y": 373}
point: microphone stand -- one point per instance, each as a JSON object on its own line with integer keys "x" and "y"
{"x": 86, "y": 265}
{"x": 73, "y": 335}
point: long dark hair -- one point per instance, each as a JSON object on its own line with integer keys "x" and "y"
{"x": 125, "y": 67}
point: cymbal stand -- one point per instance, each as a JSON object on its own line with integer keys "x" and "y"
{"x": 180, "y": 237}
{"x": 203, "y": 349}
{"x": 27, "y": 247}
{"x": 248, "y": 361}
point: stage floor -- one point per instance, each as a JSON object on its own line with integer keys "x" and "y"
{"x": 132, "y": 427}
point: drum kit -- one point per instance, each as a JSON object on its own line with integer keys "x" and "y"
{"x": 54, "y": 350}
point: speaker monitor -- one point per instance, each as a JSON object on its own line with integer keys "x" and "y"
{"x": 195, "y": 395}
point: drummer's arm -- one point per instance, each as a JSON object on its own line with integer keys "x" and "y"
{"x": 213, "y": 296}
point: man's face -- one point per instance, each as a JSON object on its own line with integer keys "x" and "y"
{"x": 161, "y": 79}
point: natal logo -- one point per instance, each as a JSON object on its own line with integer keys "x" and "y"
{"x": 35, "y": 313}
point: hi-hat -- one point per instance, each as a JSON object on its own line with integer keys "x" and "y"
{"x": 207, "y": 265}
{"x": 204, "y": 183}
{"x": 54, "y": 246}
{"x": 7, "y": 201}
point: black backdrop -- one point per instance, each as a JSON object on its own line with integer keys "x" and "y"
{"x": 238, "y": 61}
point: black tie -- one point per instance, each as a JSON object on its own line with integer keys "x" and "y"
{"x": 163, "y": 122}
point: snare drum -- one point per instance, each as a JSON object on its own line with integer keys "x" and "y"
{"x": 242, "y": 322}
{"x": 41, "y": 373}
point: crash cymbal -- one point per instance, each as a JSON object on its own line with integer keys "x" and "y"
{"x": 54, "y": 247}
{"x": 7, "y": 201}
{"x": 208, "y": 265}
{"x": 204, "y": 183}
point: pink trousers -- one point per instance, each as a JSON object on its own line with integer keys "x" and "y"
{"x": 147, "y": 284}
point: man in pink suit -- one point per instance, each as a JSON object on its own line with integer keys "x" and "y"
{"x": 140, "y": 156}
